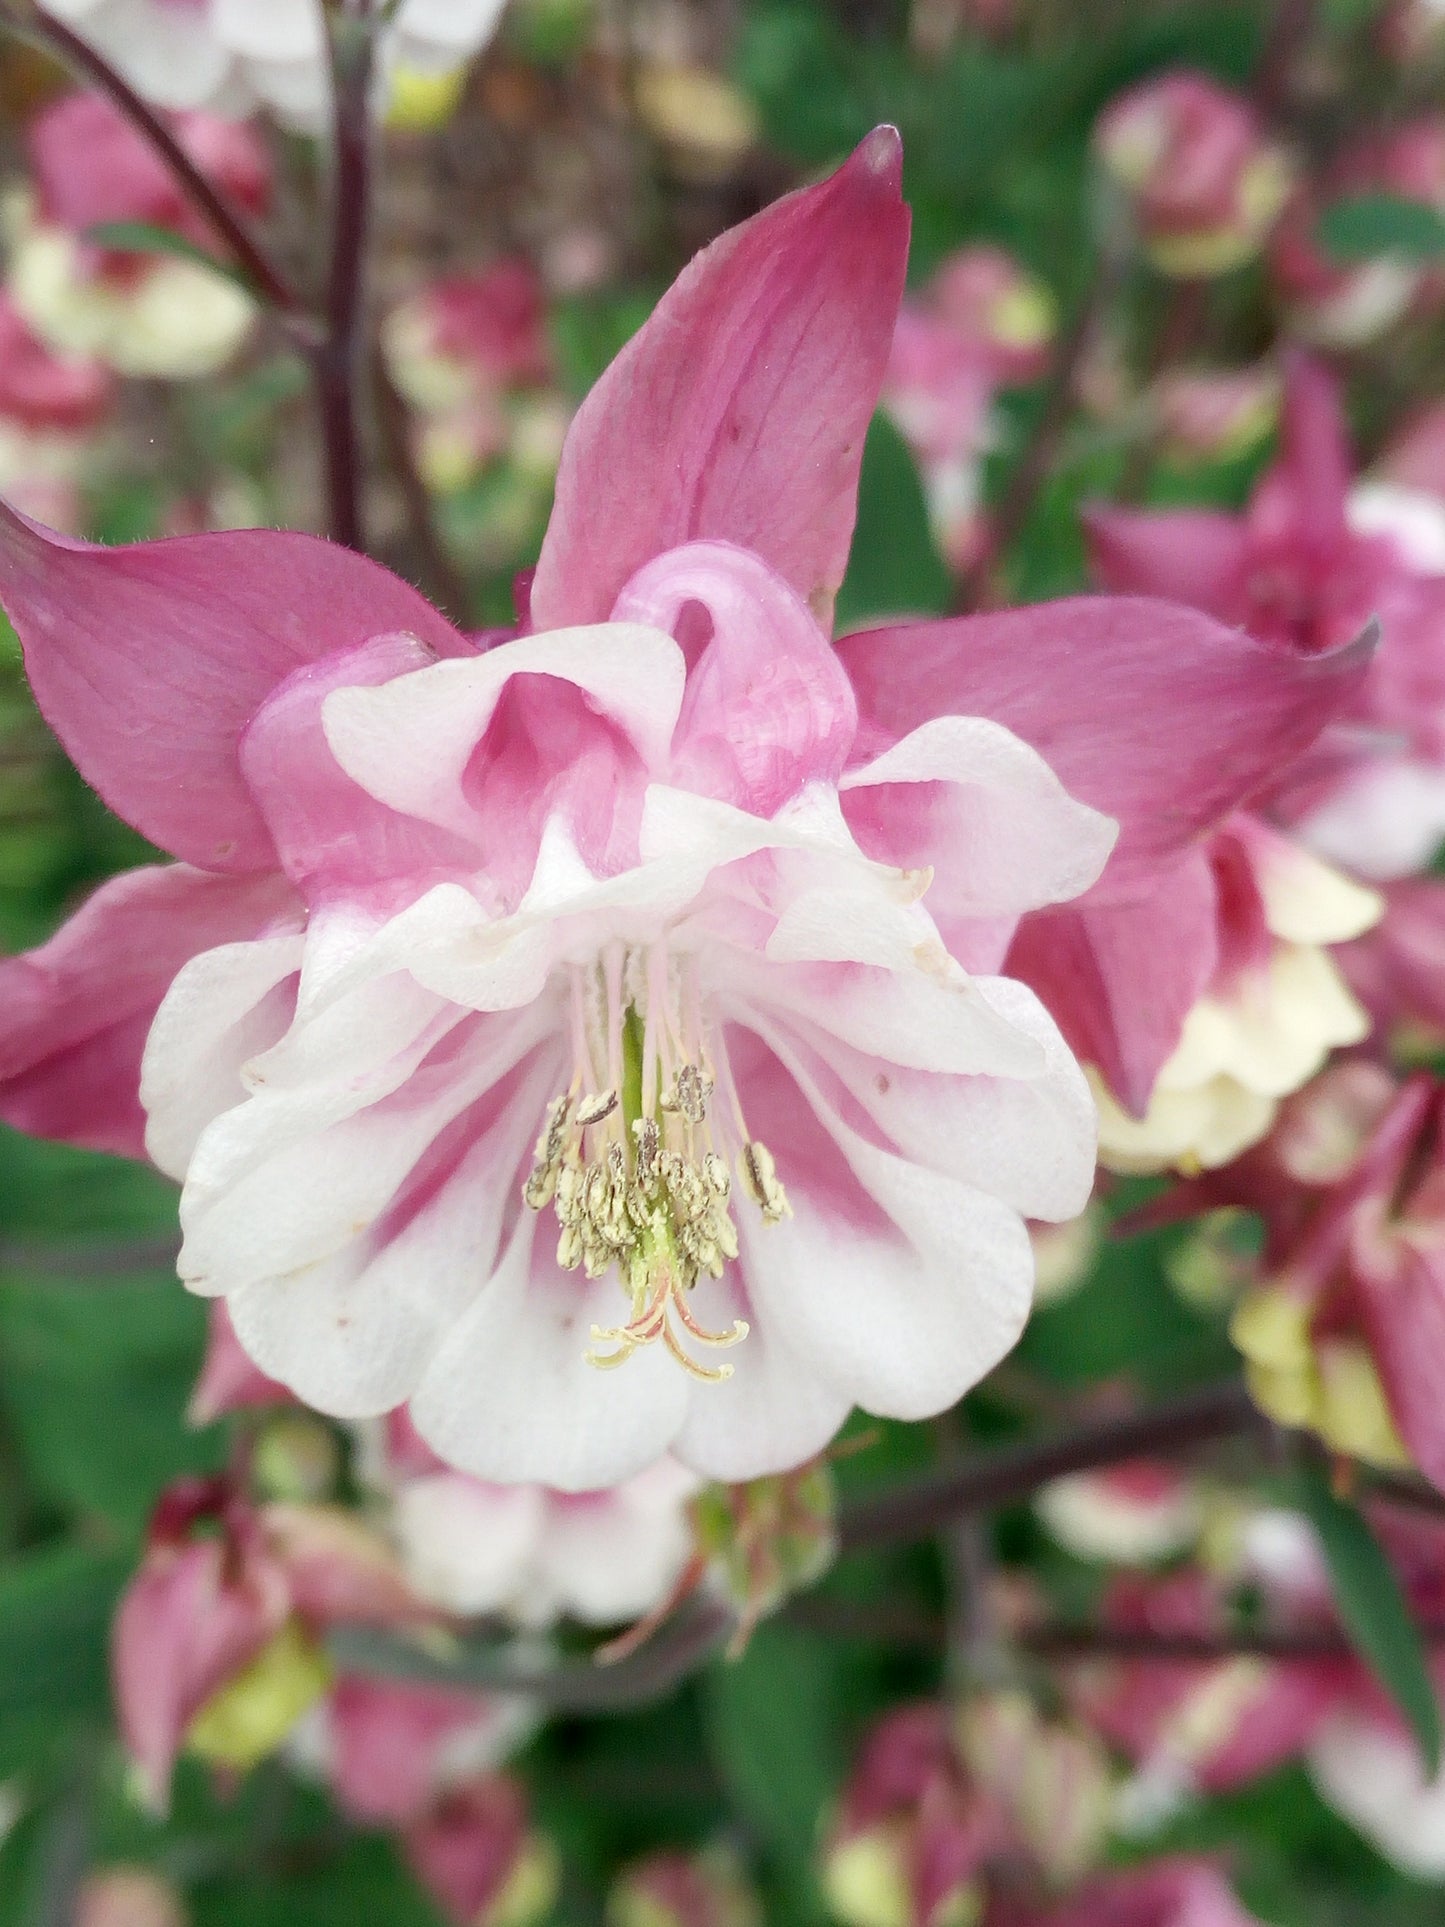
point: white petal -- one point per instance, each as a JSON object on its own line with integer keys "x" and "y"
{"x": 215, "y": 1017}
{"x": 468, "y": 1547}
{"x": 607, "y": 1557}
{"x": 509, "y": 1395}
{"x": 1373, "y": 1776}
{"x": 271, "y": 30}
{"x": 459, "y": 26}
{"x": 353, "y": 1336}
{"x": 904, "y": 1317}
{"x": 291, "y": 1180}
{"x": 1028, "y": 1140}
{"x": 1413, "y": 519}
{"x": 1014, "y": 838}
{"x": 409, "y": 742}
{"x": 170, "y": 55}
{"x": 776, "y": 1411}
{"x": 935, "y": 1022}
{"x": 1388, "y": 822}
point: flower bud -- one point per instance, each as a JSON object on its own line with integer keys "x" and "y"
{"x": 1349, "y": 303}
{"x": 127, "y": 1897}
{"x": 670, "y": 1889}
{"x": 1051, "y": 1780}
{"x": 478, "y": 1858}
{"x": 769, "y": 1538}
{"x": 251, "y": 1715}
{"x": 912, "y": 1832}
{"x": 1202, "y": 181}
{"x": 295, "y": 1457}
{"x": 196, "y": 1616}
{"x": 1214, "y": 414}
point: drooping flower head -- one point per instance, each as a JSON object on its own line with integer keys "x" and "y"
{"x": 596, "y": 1043}
{"x": 141, "y": 314}
{"x": 1347, "y": 304}
{"x": 1203, "y": 181}
{"x": 1314, "y": 558}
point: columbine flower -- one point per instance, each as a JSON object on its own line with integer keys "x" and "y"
{"x": 1134, "y": 1515}
{"x": 594, "y": 1043}
{"x": 1203, "y": 183}
{"x": 141, "y": 314}
{"x": 981, "y": 323}
{"x": 527, "y": 1552}
{"x": 470, "y": 353}
{"x": 215, "y": 1646}
{"x": 235, "y": 54}
{"x": 670, "y": 1888}
{"x": 1344, "y": 1333}
{"x": 1192, "y": 1726}
{"x": 1346, "y": 304}
{"x": 1310, "y": 562}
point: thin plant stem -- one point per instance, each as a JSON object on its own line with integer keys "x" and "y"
{"x": 1036, "y": 458}
{"x": 442, "y": 579}
{"x": 989, "y": 1479}
{"x": 231, "y": 228}
{"x": 341, "y": 359}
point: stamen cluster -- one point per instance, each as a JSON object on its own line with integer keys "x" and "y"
{"x": 637, "y": 1183}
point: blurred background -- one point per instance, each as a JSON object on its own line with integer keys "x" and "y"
{"x": 1099, "y": 299}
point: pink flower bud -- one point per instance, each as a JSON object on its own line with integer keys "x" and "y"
{"x": 196, "y": 1614}
{"x": 1204, "y": 183}
{"x": 477, "y": 1857}
{"x": 671, "y": 1889}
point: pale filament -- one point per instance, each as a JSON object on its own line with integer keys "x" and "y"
{"x": 632, "y": 1166}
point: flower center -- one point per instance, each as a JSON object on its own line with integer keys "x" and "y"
{"x": 633, "y": 1156}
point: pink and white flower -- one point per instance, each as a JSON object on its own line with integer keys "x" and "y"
{"x": 525, "y": 1552}
{"x": 1312, "y": 560}
{"x": 140, "y": 314}
{"x": 235, "y": 55}
{"x": 625, "y": 996}
{"x": 51, "y": 407}
{"x": 1203, "y": 181}
{"x": 1344, "y": 304}
{"x": 981, "y": 323}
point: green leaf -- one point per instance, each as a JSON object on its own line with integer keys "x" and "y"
{"x": 55, "y": 1612}
{"x": 894, "y": 569}
{"x": 1373, "y": 224}
{"x": 144, "y": 237}
{"x": 772, "y": 1722}
{"x": 1373, "y": 1609}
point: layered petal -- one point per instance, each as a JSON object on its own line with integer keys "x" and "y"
{"x": 1155, "y": 715}
{"x": 737, "y": 412}
{"x": 1196, "y": 556}
{"x": 1120, "y": 994}
{"x": 76, "y": 1012}
{"x": 149, "y": 661}
{"x": 768, "y": 708}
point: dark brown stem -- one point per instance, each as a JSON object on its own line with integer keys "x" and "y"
{"x": 998, "y": 1478}
{"x": 1040, "y": 451}
{"x": 269, "y": 283}
{"x": 340, "y": 362}
{"x": 1289, "y": 31}
{"x": 1252, "y": 1642}
{"x": 441, "y": 578}
{"x": 568, "y": 1686}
